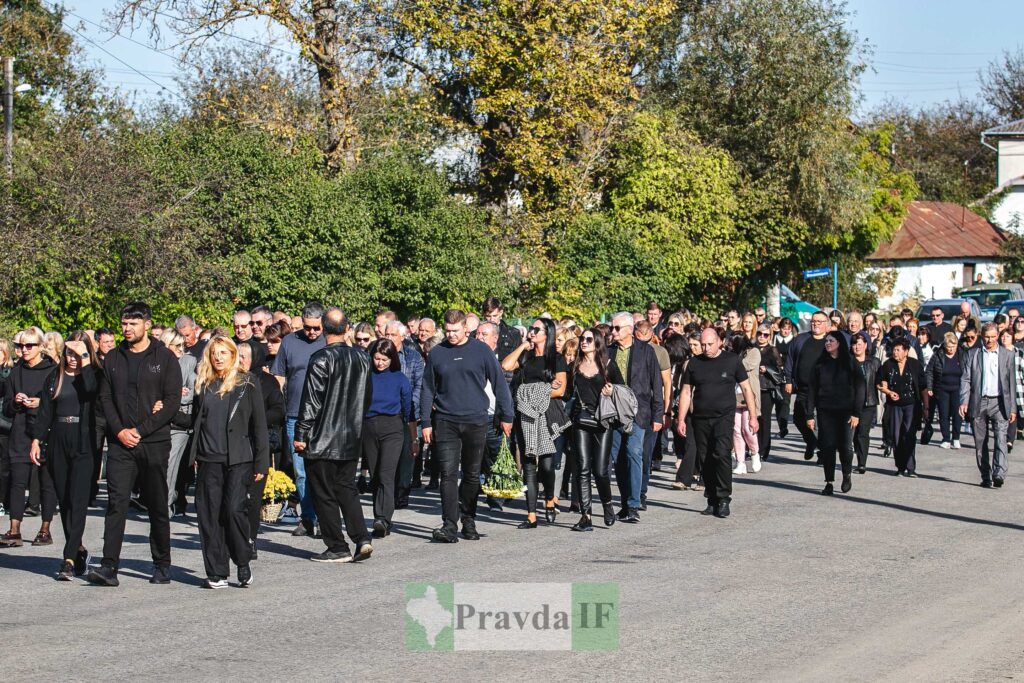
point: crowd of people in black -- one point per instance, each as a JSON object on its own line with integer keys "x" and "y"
{"x": 351, "y": 409}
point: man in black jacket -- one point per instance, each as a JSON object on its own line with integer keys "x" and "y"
{"x": 801, "y": 358}
{"x": 509, "y": 338}
{"x": 638, "y": 363}
{"x": 140, "y": 392}
{"x": 335, "y": 396}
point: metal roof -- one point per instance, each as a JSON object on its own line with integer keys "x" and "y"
{"x": 941, "y": 230}
{"x": 1011, "y": 128}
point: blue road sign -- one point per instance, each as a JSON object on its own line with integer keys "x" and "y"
{"x": 817, "y": 272}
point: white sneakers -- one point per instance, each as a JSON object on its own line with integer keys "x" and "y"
{"x": 741, "y": 464}
{"x": 956, "y": 443}
{"x": 755, "y": 463}
{"x": 944, "y": 444}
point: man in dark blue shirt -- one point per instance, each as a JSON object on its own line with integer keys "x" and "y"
{"x": 454, "y": 394}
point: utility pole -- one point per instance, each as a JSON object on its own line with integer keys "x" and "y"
{"x": 9, "y": 116}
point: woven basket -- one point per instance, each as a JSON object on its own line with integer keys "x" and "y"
{"x": 270, "y": 512}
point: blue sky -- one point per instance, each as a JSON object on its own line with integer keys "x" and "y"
{"x": 924, "y": 52}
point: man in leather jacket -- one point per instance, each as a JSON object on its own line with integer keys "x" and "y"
{"x": 335, "y": 396}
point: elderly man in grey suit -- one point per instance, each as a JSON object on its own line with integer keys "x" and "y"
{"x": 988, "y": 392}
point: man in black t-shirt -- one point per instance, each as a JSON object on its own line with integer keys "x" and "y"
{"x": 709, "y": 385}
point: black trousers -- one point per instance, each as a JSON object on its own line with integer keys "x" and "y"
{"x": 714, "y": 444}
{"x": 902, "y": 432}
{"x": 800, "y": 418}
{"x": 592, "y": 448}
{"x": 21, "y": 477}
{"x": 222, "y": 494}
{"x": 5, "y": 472}
{"x": 458, "y": 445}
{"x": 782, "y": 411}
{"x": 253, "y": 504}
{"x": 948, "y": 401}
{"x": 333, "y": 484}
{"x": 69, "y": 463}
{"x": 148, "y": 463}
{"x": 382, "y": 448}
{"x": 834, "y": 434}
{"x": 862, "y": 435}
{"x": 690, "y": 461}
{"x": 764, "y": 425}
{"x": 538, "y": 471}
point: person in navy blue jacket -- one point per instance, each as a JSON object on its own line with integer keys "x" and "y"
{"x": 389, "y": 416}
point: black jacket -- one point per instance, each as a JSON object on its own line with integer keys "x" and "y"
{"x": 772, "y": 362}
{"x": 643, "y": 376}
{"x": 335, "y": 397}
{"x": 835, "y": 386}
{"x": 159, "y": 380}
{"x": 937, "y": 365}
{"x": 247, "y": 425}
{"x": 87, "y": 386}
{"x": 273, "y": 399}
{"x": 30, "y": 381}
{"x": 869, "y": 370}
{"x": 509, "y": 340}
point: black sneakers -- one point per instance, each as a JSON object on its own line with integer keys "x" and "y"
{"x": 103, "y": 576}
{"x": 328, "y": 556}
{"x": 443, "y": 535}
{"x": 161, "y": 575}
{"x": 66, "y": 571}
{"x": 363, "y": 552}
{"x": 469, "y": 529}
{"x": 81, "y": 562}
{"x": 723, "y": 510}
{"x": 244, "y": 576}
{"x": 381, "y": 528}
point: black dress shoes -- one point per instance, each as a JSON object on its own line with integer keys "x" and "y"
{"x": 997, "y": 482}
{"x": 443, "y": 535}
{"x": 584, "y": 524}
{"x": 723, "y": 510}
{"x": 709, "y": 510}
{"x": 828, "y": 490}
{"x": 527, "y": 524}
{"x": 609, "y": 514}
{"x": 847, "y": 484}
{"x": 986, "y": 484}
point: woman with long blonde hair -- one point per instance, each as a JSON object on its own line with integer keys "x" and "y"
{"x": 53, "y": 346}
{"x": 229, "y": 441}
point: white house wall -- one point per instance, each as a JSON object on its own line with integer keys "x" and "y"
{"x": 1011, "y": 160}
{"x": 1009, "y": 213}
{"x": 933, "y": 279}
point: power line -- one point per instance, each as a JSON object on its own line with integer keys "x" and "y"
{"x": 118, "y": 59}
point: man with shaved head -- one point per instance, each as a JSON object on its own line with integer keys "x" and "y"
{"x": 709, "y": 385}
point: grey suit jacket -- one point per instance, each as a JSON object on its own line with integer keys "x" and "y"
{"x": 971, "y": 381}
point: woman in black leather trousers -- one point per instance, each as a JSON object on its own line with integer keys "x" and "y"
{"x": 592, "y": 445}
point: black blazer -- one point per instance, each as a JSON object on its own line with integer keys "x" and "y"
{"x": 643, "y": 376}
{"x": 247, "y": 425}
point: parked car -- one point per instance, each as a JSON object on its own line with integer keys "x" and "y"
{"x": 950, "y": 309}
{"x": 1011, "y": 303}
{"x": 991, "y": 297}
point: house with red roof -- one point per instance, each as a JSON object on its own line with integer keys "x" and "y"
{"x": 939, "y": 247}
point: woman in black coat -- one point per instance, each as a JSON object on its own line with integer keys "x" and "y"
{"x": 868, "y": 366}
{"x": 835, "y": 394}
{"x": 21, "y": 399}
{"x": 770, "y": 374}
{"x": 942, "y": 380}
{"x": 229, "y": 441}
{"x": 63, "y": 442}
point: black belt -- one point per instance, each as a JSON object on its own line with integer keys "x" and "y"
{"x": 68, "y": 420}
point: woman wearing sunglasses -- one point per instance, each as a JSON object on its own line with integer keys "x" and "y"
{"x": 593, "y": 376}
{"x": 772, "y": 387}
{"x": 22, "y": 393}
{"x": 536, "y": 361}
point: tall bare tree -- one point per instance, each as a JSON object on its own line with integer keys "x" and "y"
{"x": 331, "y": 36}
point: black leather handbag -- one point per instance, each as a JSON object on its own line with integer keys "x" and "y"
{"x": 580, "y": 415}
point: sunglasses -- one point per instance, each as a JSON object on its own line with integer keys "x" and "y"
{"x": 675, "y": 323}
{"x": 257, "y": 323}
{"x": 588, "y": 339}
{"x": 764, "y": 334}
{"x": 616, "y": 328}
{"x": 311, "y": 328}
{"x": 362, "y": 340}
{"x": 536, "y": 330}
{"x": 26, "y": 346}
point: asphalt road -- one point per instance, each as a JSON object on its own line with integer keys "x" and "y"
{"x": 899, "y": 580}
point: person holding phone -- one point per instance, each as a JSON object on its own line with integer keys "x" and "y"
{"x": 22, "y": 393}
{"x": 62, "y": 443}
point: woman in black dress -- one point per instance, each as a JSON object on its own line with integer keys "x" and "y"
{"x": 63, "y": 441}
{"x": 22, "y": 395}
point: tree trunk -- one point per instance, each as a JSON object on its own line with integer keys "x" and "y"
{"x": 339, "y": 149}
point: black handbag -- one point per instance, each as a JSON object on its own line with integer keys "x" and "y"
{"x": 582, "y": 417}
